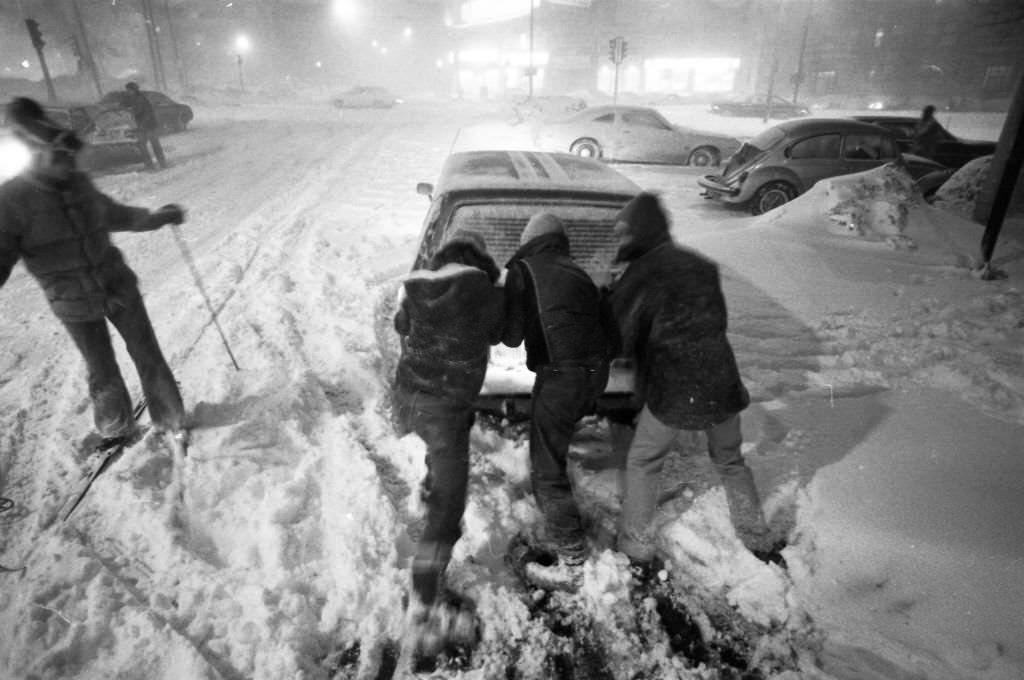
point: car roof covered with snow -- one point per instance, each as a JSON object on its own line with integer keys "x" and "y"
{"x": 810, "y": 126}
{"x": 531, "y": 171}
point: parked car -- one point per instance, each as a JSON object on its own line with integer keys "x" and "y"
{"x": 171, "y": 116}
{"x": 109, "y": 134}
{"x": 757, "y": 106}
{"x": 366, "y": 97}
{"x": 785, "y": 160}
{"x": 633, "y": 134}
{"x": 951, "y": 151}
{"x": 494, "y": 193}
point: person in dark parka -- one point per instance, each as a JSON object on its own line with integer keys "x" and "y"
{"x": 672, "y": 315}
{"x": 555, "y": 307}
{"x": 449, "y": 316}
{"x": 59, "y": 224}
{"x": 927, "y": 134}
{"x": 146, "y": 125}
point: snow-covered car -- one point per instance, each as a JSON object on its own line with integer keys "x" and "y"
{"x": 495, "y": 193}
{"x": 785, "y": 160}
{"x": 171, "y": 116}
{"x": 633, "y": 134}
{"x": 366, "y": 97}
{"x": 760, "y": 106}
{"x": 950, "y": 150}
{"x": 109, "y": 134}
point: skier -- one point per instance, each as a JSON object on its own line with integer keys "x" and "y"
{"x": 146, "y": 126}
{"x": 555, "y": 307}
{"x": 449, "y": 316}
{"x": 670, "y": 308}
{"x": 54, "y": 218}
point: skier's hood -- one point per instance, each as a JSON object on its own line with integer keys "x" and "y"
{"x": 449, "y": 288}
{"x": 641, "y": 226}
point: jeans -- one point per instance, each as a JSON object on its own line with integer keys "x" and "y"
{"x": 151, "y": 138}
{"x": 651, "y": 444}
{"x": 112, "y": 407}
{"x": 562, "y": 395}
{"x": 444, "y": 425}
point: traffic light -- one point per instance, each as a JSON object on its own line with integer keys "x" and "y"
{"x": 623, "y": 50}
{"x": 33, "y": 31}
{"x": 617, "y": 49}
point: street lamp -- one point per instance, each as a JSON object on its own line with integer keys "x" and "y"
{"x": 242, "y": 45}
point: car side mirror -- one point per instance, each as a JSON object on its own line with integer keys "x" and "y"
{"x": 425, "y": 188}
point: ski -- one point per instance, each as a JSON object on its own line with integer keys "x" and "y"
{"x": 107, "y": 456}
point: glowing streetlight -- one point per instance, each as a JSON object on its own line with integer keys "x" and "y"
{"x": 242, "y": 45}
{"x": 345, "y": 11}
{"x": 407, "y": 33}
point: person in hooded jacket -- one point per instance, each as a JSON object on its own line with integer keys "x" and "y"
{"x": 927, "y": 134}
{"x": 54, "y": 219}
{"x": 670, "y": 309}
{"x": 146, "y": 125}
{"x": 555, "y": 307}
{"x": 449, "y": 316}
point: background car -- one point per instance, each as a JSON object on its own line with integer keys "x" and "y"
{"x": 495, "y": 193}
{"x": 757, "y": 106}
{"x": 633, "y": 134}
{"x": 109, "y": 134}
{"x": 366, "y": 97}
{"x": 785, "y": 160}
{"x": 951, "y": 151}
{"x": 171, "y": 116}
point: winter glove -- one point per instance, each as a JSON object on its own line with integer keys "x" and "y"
{"x": 172, "y": 213}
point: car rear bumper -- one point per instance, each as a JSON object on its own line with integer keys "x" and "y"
{"x": 715, "y": 187}
{"x": 507, "y": 390}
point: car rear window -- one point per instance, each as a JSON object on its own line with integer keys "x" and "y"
{"x": 589, "y": 227}
{"x": 767, "y": 139}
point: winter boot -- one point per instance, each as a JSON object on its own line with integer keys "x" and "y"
{"x": 563, "y": 571}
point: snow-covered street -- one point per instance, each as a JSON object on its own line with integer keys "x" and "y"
{"x": 885, "y": 434}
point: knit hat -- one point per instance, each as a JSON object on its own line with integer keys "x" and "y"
{"x": 644, "y": 211}
{"x": 540, "y": 225}
{"x": 133, "y": 86}
{"x": 469, "y": 236}
{"x": 31, "y": 124}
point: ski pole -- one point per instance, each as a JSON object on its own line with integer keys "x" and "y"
{"x": 176, "y": 230}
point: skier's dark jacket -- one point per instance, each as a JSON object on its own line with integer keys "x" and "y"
{"x": 672, "y": 315}
{"x": 142, "y": 109}
{"x": 61, "y": 231}
{"x": 448, "y": 319}
{"x": 554, "y": 305}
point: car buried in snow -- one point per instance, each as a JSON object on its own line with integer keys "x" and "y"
{"x": 633, "y": 134}
{"x": 785, "y": 160}
{"x": 760, "y": 106}
{"x": 495, "y": 193}
{"x": 950, "y": 150}
{"x": 171, "y": 116}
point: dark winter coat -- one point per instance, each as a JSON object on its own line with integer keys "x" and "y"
{"x": 142, "y": 109}
{"x": 448, "y": 319}
{"x": 672, "y": 315}
{"x": 62, "y": 234}
{"x": 927, "y": 135}
{"x": 555, "y": 307}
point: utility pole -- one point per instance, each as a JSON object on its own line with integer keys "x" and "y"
{"x": 182, "y": 80}
{"x": 37, "y": 42}
{"x": 86, "y": 49}
{"x": 994, "y": 202}
{"x": 154, "y": 44}
{"x": 531, "y": 69}
{"x": 798, "y": 77}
